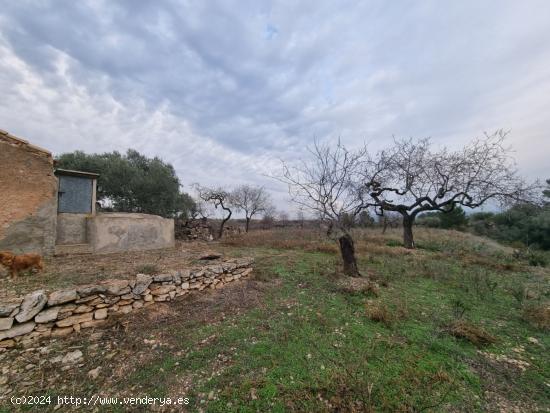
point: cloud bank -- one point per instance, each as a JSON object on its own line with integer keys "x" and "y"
{"x": 223, "y": 90}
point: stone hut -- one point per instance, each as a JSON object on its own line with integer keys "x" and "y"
{"x": 51, "y": 211}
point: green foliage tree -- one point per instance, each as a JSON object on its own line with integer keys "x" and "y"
{"x": 526, "y": 224}
{"x": 453, "y": 218}
{"x": 482, "y": 222}
{"x": 132, "y": 182}
{"x": 546, "y": 193}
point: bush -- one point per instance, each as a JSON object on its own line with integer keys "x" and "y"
{"x": 455, "y": 218}
{"x": 537, "y": 259}
{"x": 525, "y": 224}
{"x": 538, "y": 315}
{"x": 378, "y": 312}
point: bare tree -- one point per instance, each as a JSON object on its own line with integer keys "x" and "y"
{"x": 268, "y": 217}
{"x": 251, "y": 200}
{"x": 410, "y": 177}
{"x": 283, "y": 218}
{"x": 326, "y": 184}
{"x": 301, "y": 217}
{"x": 219, "y": 198}
{"x": 388, "y": 219}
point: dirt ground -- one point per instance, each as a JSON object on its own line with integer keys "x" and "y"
{"x": 37, "y": 370}
{"x": 78, "y": 269}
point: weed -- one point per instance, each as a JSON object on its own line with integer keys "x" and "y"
{"x": 518, "y": 292}
{"x": 430, "y": 245}
{"x": 147, "y": 269}
{"x": 481, "y": 282}
{"x": 459, "y": 308}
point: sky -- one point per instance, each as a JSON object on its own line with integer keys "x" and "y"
{"x": 225, "y": 90}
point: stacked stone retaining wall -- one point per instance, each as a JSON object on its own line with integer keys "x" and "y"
{"x": 58, "y": 313}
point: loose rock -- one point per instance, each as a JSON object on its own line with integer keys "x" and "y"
{"x": 72, "y": 357}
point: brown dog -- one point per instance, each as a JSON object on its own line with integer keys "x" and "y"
{"x": 16, "y": 263}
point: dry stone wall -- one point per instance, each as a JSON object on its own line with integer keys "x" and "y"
{"x": 58, "y": 313}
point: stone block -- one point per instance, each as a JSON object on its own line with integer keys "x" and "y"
{"x": 17, "y": 330}
{"x": 49, "y": 314}
{"x": 31, "y": 305}
{"x": 62, "y": 297}
{"x": 75, "y": 319}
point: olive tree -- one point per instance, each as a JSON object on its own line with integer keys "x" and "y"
{"x": 327, "y": 185}
{"x": 252, "y": 200}
{"x": 412, "y": 177}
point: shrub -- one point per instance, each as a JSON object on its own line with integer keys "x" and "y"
{"x": 378, "y": 312}
{"x": 537, "y": 259}
{"x": 537, "y": 315}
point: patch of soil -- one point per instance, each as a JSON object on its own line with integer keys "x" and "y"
{"x": 76, "y": 269}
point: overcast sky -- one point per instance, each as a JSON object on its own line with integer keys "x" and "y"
{"x": 222, "y": 90}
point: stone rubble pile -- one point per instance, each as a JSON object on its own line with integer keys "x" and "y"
{"x": 199, "y": 229}
{"x": 203, "y": 230}
{"x": 62, "y": 312}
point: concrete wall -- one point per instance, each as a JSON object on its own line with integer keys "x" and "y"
{"x": 71, "y": 229}
{"x": 115, "y": 232}
{"x": 28, "y": 197}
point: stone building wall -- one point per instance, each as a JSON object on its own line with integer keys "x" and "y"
{"x": 58, "y": 313}
{"x": 28, "y": 197}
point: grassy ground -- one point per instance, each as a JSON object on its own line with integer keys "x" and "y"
{"x": 295, "y": 338}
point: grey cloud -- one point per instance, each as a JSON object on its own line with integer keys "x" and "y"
{"x": 223, "y": 89}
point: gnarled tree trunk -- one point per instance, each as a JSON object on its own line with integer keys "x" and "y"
{"x": 408, "y": 239}
{"x": 220, "y": 233}
{"x": 347, "y": 249}
{"x": 247, "y": 224}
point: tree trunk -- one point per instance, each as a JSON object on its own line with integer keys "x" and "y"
{"x": 384, "y": 225}
{"x": 220, "y": 234}
{"x": 347, "y": 250}
{"x": 247, "y": 224}
{"x": 408, "y": 239}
